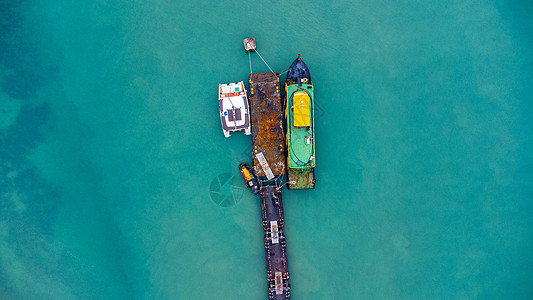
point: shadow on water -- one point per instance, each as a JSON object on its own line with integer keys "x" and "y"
{"x": 32, "y": 251}
{"x": 23, "y": 65}
{"x": 26, "y": 209}
{"x": 26, "y": 212}
{"x": 28, "y": 205}
{"x": 21, "y": 77}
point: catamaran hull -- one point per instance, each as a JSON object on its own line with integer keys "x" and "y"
{"x": 234, "y": 108}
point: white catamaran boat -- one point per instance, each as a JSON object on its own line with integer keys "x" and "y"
{"x": 234, "y": 112}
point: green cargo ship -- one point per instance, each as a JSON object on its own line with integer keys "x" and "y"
{"x": 299, "y": 124}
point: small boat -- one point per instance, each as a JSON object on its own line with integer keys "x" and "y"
{"x": 249, "y": 178}
{"x": 299, "y": 124}
{"x": 234, "y": 111}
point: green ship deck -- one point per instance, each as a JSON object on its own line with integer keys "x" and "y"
{"x": 300, "y": 136}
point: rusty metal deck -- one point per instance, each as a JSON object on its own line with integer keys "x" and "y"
{"x": 266, "y": 112}
{"x": 301, "y": 179}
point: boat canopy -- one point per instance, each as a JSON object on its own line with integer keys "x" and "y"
{"x": 298, "y": 70}
{"x": 302, "y": 111}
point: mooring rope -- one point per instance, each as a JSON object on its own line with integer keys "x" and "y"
{"x": 250, "y": 60}
{"x": 265, "y": 63}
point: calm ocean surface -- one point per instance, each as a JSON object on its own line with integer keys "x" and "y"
{"x": 116, "y": 181}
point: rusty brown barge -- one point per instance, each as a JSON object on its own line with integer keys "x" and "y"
{"x": 268, "y": 142}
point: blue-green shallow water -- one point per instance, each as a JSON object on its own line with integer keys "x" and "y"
{"x": 111, "y": 150}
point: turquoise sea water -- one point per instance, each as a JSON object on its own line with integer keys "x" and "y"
{"x": 116, "y": 181}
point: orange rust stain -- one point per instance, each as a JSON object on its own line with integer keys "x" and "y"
{"x": 267, "y": 113}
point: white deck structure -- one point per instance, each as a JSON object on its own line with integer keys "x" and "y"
{"x": 234, "y": 111}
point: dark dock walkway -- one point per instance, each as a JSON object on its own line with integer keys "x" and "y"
{"x": 269, "y": 166}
